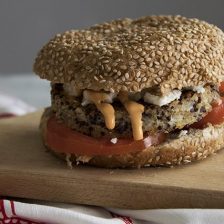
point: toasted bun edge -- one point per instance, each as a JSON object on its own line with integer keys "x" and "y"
{"x": 196, "y": 145}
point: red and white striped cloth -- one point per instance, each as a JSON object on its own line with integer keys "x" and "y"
{"x": 10, "y": 106}
{"x": 14, "y": 212}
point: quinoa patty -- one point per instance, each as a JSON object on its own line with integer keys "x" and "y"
{"x": 191, "y": 107}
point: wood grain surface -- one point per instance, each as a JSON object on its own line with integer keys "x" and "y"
{"x": 28, "y": 171}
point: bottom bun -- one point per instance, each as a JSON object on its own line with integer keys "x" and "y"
{"x": 188, "y": 146}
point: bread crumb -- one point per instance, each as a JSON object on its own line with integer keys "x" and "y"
{"x": 114, "y": 140}
{"x": 84, "y": 159}
{"x": 68, "y": 160}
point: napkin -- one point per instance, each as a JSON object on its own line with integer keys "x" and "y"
{"x": 36, "y": 212}
{"x": 10, "y": 106}
{"x": 55, "y": 213}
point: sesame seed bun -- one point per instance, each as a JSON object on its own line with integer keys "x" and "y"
{"x": 195, "y": 145}
{"x": 170, "y": 52}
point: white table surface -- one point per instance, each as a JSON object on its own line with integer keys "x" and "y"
{"x": 27, "y": 87}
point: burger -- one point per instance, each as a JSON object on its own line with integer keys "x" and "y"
{"x": 135, "y": 93}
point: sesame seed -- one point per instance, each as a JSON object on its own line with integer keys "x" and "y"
{"x": 135, "y": 56}
{"x": 138, "y": 74}
{"x": 126, "y": 75}
{"x": 169, "y": 65}
{"x": 131, "y": 63}
{"x": 143, "y": 66}
{"x": 187, "y": 161}
{"x": 199, "y": 154}
{"x": 123, "y": 67}
{"x": 141, "y": 60}
{"x": 205, "y": 152}
{"x": 112, "y": 90}
{"x": 139, "y": 49}
{"x": 160, "y": 72}
{"x": 148, "y": 59}
{"x": 193, "y": 154}
{"x": 148, "y": 47}
{"x": 159, "y": 53}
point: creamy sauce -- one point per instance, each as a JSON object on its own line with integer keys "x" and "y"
{"x": 135, "y": 111}
{"x": 99, "y": 98}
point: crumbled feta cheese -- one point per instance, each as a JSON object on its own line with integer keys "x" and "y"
{"x": 183, "y": 133}
{"x": 162, "y": 100}
{"x": 114, "y": 140}
{"x": 198, "y": 89}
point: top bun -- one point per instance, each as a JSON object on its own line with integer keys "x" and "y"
{"x": 170, "y": 52}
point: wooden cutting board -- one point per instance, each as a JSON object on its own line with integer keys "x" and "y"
{"x": 28, "y": 171}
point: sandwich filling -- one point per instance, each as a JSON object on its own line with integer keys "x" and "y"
{"x": 119, "y": 115}
{"x": 107, "y": 123}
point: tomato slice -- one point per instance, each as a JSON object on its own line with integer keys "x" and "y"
{"x": 63, "y": 139}
{"x": 216, "y": 116}
{"x": 221, "y": 87}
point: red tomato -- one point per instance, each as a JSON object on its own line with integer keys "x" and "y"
{"x": 63, "y": 139}
{"x": 221, "y": 87}
{"x": 216, "y": 116}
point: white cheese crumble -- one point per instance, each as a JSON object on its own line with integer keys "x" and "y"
{"x": 183, "y": 133}
{"x": 162, "y": 100}
{"x": 86, "y": 99}
{"x": 71, "y": 90}
{"x": 114, "y": 140}
{"x": 198, "y": 89}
